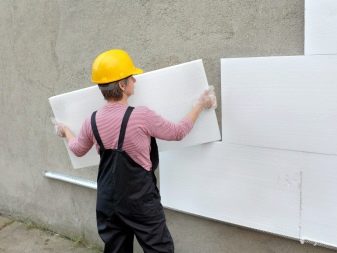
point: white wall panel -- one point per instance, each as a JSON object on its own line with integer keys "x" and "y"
{"x": 286, "y": 102}
{"x": 252, "y": 187}
{"x": 170, "y": 92}
{"x": 319, "y": 205}
{"x": 72, "y": 109}
{"x": 320, "y": 27}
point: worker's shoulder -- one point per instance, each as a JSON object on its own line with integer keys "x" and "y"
{"x": 144, "y": 114}
{"x": 142, "y": 110}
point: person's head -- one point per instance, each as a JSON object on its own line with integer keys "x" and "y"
{"x": 113, "y": 71}
{"x": 117, "y": 90}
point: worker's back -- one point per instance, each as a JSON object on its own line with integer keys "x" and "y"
{"x": 143, "y": 124}
{"x": 137, "y": 140}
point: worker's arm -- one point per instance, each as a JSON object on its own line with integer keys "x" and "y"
{"x": 158, "y": 127}
{"x": 80, "y": 144}
{"x": 67, "y": 133}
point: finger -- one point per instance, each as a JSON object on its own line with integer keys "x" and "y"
{"x": 214, "y": 105}
{"x": 211, "y": 88}
{"x": 53, "y": 120}
{"x": 211, "y": 93}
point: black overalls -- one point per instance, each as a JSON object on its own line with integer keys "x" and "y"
{"x": 128, "y": 200}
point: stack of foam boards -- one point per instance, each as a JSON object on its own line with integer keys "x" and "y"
{"x": 170, "y": 92}
{"x": 277, "y": 158}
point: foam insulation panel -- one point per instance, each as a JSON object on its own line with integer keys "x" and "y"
{"x": 320, "y": 27}
{"x": 286, "y": 102}
{"x": 170, "y": 92}
{"x": 319, "y": 201}
{"x": 252, "y": 187}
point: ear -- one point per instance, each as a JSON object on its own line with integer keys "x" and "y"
{"x": 122, "y": 85}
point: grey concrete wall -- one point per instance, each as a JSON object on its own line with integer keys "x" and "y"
{"x": 46, "y": 48}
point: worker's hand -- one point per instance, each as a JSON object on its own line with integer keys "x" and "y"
{"x": 207, "y": 99}
{"x": 59, "y": 128}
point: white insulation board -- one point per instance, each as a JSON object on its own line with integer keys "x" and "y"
{"x": 251, "y": 187}
{"x": 170, "y": 92}
{"x": 320, "y": 27}
{"x": 286, "y": 102}
{"x": 319, "y": 205}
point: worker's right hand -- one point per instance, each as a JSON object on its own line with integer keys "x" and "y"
{"x": 59, "y": 128}
{"x": 207, "y": 99}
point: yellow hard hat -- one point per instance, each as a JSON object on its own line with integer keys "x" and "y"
{"x": 113, "y": 65}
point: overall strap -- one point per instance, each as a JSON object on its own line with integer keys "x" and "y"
{"x": 95, "y": 132}
{"x": 123, "y": 127}
{"x": 154, "y": 156}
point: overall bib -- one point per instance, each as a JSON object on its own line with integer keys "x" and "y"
{"x": 128, "y": 200}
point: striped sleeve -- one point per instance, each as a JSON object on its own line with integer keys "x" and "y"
{"x": 161, "y": 128}
{"x": 82, "y": 143}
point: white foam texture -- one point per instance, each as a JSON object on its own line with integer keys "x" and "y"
{"x": 169, "y": 91}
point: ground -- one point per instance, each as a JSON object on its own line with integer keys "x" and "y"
{"x": 26, "y": 237}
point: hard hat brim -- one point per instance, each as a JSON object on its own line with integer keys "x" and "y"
{"x": 137, "y": 71}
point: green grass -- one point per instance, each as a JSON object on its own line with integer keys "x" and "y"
{"x": 81, "y": 242}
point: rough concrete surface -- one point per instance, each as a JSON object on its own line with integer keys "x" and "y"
{"x": 47, "y": 48}
{"x": 4, "y": 222}
{"x": 18, "y": 237}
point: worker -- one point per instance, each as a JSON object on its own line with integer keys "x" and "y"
{"x": 128, "y": 201}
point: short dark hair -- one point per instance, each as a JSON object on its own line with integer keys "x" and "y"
{"x": 112, "y": 90}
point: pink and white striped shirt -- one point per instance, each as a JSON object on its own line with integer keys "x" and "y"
{"x": 143, "y": 124}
